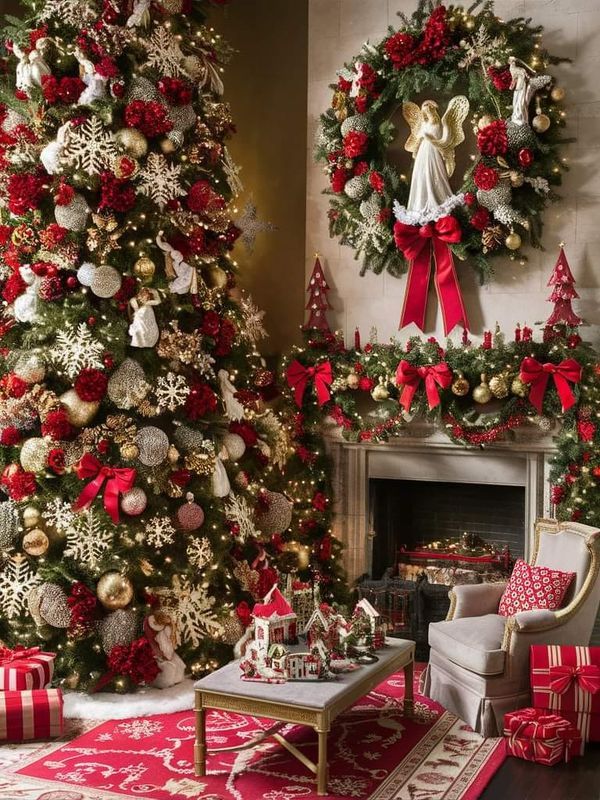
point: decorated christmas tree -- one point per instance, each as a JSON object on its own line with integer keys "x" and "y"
{"x": 317, "y": 304}
{"x": 563, "y": 293}
{"x": 138, "y": 453}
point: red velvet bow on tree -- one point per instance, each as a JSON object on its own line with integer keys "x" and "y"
{"x": 586, "y": 676}
{"x": 298, "y": 376}
{"x": 7, "y": 655}
{"x": 418, "y": 244}
{"x": 118, "y": 481}
{"x": 536, "y": 374}
{"x": 410, "y": 377}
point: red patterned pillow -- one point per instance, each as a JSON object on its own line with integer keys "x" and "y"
{"x": 534, "y": 587}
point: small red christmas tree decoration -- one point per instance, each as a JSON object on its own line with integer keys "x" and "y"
{"x": 318, "y": 304}
{"x": 563, "y": 292}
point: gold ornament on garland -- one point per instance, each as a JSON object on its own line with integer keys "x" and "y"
{"x": 380, "y": 392}
{"x": 302, "y": 552}
{"x": 35, "y": 542}
{"x": 499, "y": 386}
{"x": 540, "y": 123}
{"x": 460, "y": 385}
{"x": 114, "y": 590}
{"x": 558, "y": 94}
{"x": 519, "y": 388}
{"x": 129, "y": 451}
{"x": 513, "y": 241}
{"x": 481, "y": 393}
{"x": 132, "y": 141}
{"x": 144, "y": 268}
{"x": 215, "y": 277}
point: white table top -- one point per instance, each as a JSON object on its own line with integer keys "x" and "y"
{"x": 311, "y": 694}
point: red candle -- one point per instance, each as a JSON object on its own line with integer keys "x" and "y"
{"x": 356, "y": 339}
{"x": 465, "y": 337}
{"x": 527, "y": 333}
{"x": 487, "y": 340}
{"x": 518, "y": 333}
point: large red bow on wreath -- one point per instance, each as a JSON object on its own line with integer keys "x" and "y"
{"x": 586, "y": 676}
{"x": 568, "y": 371}
{"x": 410, "y": 377}
{"x": 418, "y": 243}
{"x": 298, "y": 377}
{"x": 118, "y": 481}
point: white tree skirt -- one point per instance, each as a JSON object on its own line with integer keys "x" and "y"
{"x": 145, "y": 702}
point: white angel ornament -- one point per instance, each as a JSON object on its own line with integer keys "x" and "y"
{"x": 94, "y": 82}
{"x": 160, "y": 632}
{"x": 524, "y": 83}
{"x": 432, "y": 142}
{"x": 31, "y": 67}
{"x": 144, "y": 330}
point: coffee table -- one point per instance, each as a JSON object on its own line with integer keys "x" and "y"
{"x": 313, "y": 703}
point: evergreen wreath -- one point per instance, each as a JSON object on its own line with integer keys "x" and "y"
{"x": 441, "y": 50}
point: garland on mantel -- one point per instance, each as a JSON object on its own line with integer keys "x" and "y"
{"x": 476, "y": 394}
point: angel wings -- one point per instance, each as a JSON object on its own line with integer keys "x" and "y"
{"x": 451, "y": 133}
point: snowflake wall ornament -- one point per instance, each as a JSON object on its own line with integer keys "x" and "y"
{"x": 159, "y": 180}
{"x": 87, "y": 539}
{"x": 90, "y": 146}
{"x": 159, "y": 531}
{"x": 17, "y": 578}
{"x": 250, "y": 225}
{"x": 253, "y": 329}
{"x": 193, "y": 609}
{"x": 238, "y": 510}
{"x": 76, "y": 348}
{"x": 199, "y": 552}
{"x": 232, "y": 172}
{"x": 171, "y": 391}
{"x": 164, "y": 53}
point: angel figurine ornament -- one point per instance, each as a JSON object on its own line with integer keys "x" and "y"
{"x": 524, "y": 83}
{"x": 432, "y": 142}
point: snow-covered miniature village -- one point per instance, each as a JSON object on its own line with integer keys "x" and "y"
{"x": 270, "y": 651}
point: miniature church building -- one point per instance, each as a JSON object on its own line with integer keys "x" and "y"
{"x": 275, "y": 621}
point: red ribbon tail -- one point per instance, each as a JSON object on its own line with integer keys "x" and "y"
{"x": 537, "y": 391}
{"x": 89, "y": 493}
{"x": 567, "y": 398}
{"x": 111, "y": 499}
{"x": 448, "y": 290}
{"x": 417, "y": 286}
{"x": 433, "y": 396}
{"x": 299, "y": 392}
{"x": 322, "y": 390}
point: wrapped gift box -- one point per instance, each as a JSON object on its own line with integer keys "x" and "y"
{"x": 25, "y": 668}
{"x": 31, "y": 714}
{"x": 566, "y": 679}
{"x": 534, "y": 735}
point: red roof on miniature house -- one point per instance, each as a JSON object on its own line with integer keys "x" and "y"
{"x": 277, "y": 605}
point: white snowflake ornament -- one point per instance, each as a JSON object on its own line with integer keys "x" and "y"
{"x": 164, "y": 53}
{"x": 171, "y": 391}
{"x": 159, "y": 531}
{"x": 76, "y": 348}
{"x": 199, "y": 552}
{"x": 87, "y": 539}
{"x": 90, "y": 146}
{"x": 159, "y": 180}
{"x": 17, "y": 578}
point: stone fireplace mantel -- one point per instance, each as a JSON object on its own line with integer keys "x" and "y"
{"x": 424, "y": 453}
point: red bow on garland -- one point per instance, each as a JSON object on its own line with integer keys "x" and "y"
{"x": 568, "y": 371}
{"x": 418, "y": 243}
{"x": 118, "y": 481}
{"x": 7, "y": 655}
{"x": 410, "y": 377}
{"x": 586, "y": 676}
{"x": 298, "y": 377}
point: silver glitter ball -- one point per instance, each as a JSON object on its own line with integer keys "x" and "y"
{"x": 277, "y": 518}
{"x": 106, "y": 281}
{"x": 73, "y": 216}
{"x": 357, "y": 122}
{"x": 9, "y": 524}
{"x": 153, "y": 444}
{"x": 357, "y": 187}
{"x": 53, "y": 606}
{"x": 127, "y": 385}
{"x": 120, "y": 627}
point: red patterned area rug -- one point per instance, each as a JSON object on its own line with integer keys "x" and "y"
{"x": 374, "y": 752}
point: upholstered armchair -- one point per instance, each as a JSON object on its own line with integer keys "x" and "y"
{"x": 479, "y": 660}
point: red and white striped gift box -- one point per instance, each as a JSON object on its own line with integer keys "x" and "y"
{"x": 535, "y": 735}
{"x": 25, "y": 668}
{"x": 566, "y": 679}
{"x": 31, "y": 714}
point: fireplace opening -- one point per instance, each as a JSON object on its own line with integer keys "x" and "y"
{"x": 408, "y": 514}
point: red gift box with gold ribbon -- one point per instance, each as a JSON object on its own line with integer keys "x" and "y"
{"x": 534, "y": 735}
{"x": 31, "y": 714}
{"x": 565, "y": 679}
{"x": 25, "y": 668}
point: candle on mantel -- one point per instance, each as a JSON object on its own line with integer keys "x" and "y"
{"x": 465, "y": 337}
{"x": 487, "y": 340}
{"x": 518, "y": 332}
{"x": 527, "y": 334}
{"x": 356, "y": 338}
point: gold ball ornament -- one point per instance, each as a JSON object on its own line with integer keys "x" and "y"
{"x": 79, "y": 412}
{"x": 519, "y": 388}
{"x": 134, "y": 502}
{"x": 380, "y": 392}
{"x": 71, "y": 681}
{"x": 499, "y": 386}
{"x": 190, "y": 516}
{"x": 484, "y": 121}
{"x": 215, "y": 277}
{"x": 121, "y": 685}
{"x": 127, "y": 386}
{"x": 460, "y": 385}
{"x": 31, "y": 516}
{"x": 114, "y": 590}
{"x": 144, "y": 268}
{"x": 129, "y": 451}
{"x": 513, "y": 241}
{"x": 173, "y": 454}
{"x": 34, "y": 454}
{"x": 167, "y": 146}
{"x": 132, "y": 141}
{"x": 540, "y": 123}
{"x": 469, "y": 22}
{"x": 35, "y": 542}
{"x": 352, "y": 380}
{"x": 482, "y": 393}
{"x": 558, "y": 94}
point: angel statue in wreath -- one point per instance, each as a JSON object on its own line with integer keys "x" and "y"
{"x": 432, "y": 142}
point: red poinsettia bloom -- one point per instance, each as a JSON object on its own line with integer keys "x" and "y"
{"x": 377, "y": 182}
{"x": 18, "y": 483}
{"x": 14, "y": 286}
{"x": 500, "y": 77}
{"x": 116, "y": 194}
{"x": 339, "y": 178}
{"x": 10, "y": 436}
{"x": 400, "y": 48}
{"x": 586, "y": 430}
{"x": 200, "y": 401}
{"x": 175, "y": 91}
{"x": 91, "y": 384}
{"x": 56, "y": 460}
{"x": 480, "y": 219}
{"x": 136, "y": 661}
{"x": 319, "y": 501}
{"x": 355, "y": 144}
{"x": 211, "y": 323}
{"x": 493, "y": 140}
{"x": 25, "y": 192}
{"x": 56, "y": 425}
{"x": 202, "y": 198}
{"x": 485, "y": 177}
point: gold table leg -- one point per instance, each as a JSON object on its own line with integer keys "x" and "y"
{"x": 408, "y": 689}
{"x": 322, "y": 765}
{"x": 200, "y": 743}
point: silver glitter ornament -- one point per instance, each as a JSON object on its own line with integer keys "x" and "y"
{"x": 127, "y": 386}
{"x": 235, "y": 446}
{"x": 277, "y": 518}
{"x": 356, "y": 187}
{"x": 520, "y": 136}
{"x": 31, "y": 368}
{"x": 34, "y": 454}
{"x": 106, "y": 281}
{"x": 9, "y": 524}
{"x": 74, "y": 215}
{"x": 357, "y": 122}
{"x": 189, "y": 439}
{"x": 53, "y": 606}
{"x": 119, "y": 627}
{"x": 134, "y": 502}
{"x": 85, "y": 273}
{"x": 153, "y": 444}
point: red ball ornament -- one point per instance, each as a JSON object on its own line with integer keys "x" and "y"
{"x": 108, "y": 360}
{"x": 596, "y": 472}
{"x": 525, "y": 157}
{"x": 91, "y": 321}
{"x": 72, "y": 282}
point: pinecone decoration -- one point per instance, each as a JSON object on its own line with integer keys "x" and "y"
{"x": 491, "y": 238}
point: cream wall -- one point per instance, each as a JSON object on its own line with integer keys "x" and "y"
{"x": 337, "y": 29}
